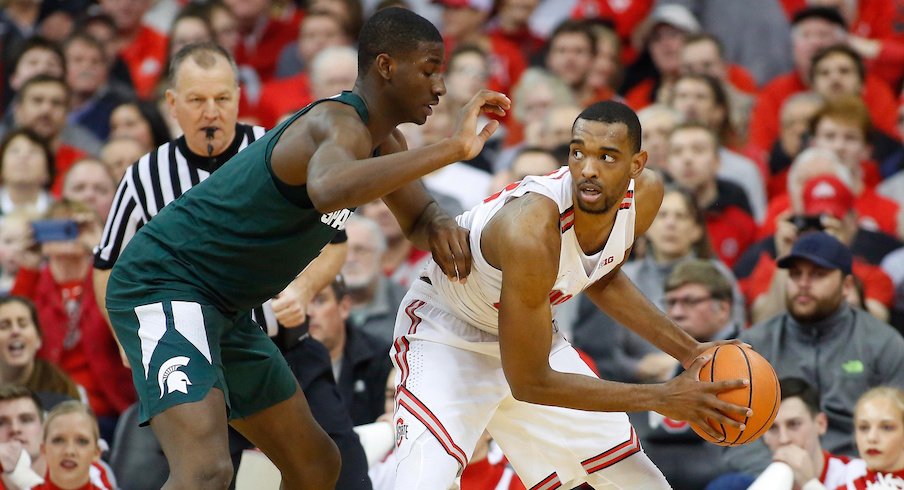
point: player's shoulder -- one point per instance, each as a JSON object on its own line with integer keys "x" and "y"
{"x": 528, "y": 217}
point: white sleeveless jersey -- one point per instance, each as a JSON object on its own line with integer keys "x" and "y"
{"x": 477, "y": 301}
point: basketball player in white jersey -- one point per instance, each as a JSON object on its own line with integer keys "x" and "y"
{"x": 486, "y": 353}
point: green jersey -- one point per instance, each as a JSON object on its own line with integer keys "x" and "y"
{"x": 233, "y": 241}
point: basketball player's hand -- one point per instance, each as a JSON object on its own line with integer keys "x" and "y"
{"x": 799, "y": 461}
{"x": 703, "y": 346}
{"x": 290, "y": 306}
{"x": 687, "y": 398}
{"x": 449, "y": 245}
{"x": 466, "y": 127}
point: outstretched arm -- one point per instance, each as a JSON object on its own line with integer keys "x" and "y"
{"x": 340, "y": 172}
{"x": 523, "y": 241}
{"x": 426, "y": 224}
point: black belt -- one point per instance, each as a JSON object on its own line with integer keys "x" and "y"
{"x": 426, "y": 279}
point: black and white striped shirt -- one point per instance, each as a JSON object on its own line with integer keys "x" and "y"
{"x": 158, "y": 179}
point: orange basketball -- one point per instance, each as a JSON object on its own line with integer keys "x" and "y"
{"x": 762, "y": 395}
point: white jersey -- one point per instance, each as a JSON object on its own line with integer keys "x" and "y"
{"x": 477, "y": 301}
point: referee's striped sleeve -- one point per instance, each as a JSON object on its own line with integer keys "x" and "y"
{"x": 126, "y": 216}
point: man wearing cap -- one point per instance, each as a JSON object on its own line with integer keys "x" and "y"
{"x": 812, "y": 29}
{"x": 827, "y": 205}
{"x": 841, "y": 350}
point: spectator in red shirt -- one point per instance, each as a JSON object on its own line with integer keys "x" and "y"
{"x": 292, "y": 91}
{"x": 827, "y": 204}
{"x": 142, "y": 48}
{"x": 511, "y": 24}
{"x": 703, "y": 54}
{"x": 263, "y": 36}
{"x": 814, "y": 28}
{"x": 842, "y": 127}
{"x": 879, "y": 433}
{"x": 76, "y": 335}
{"x": 693, "y": 162}
{"x": 464, "y": 22}
{"x": 838, "y": 70}
{"x": 702, "y": 99}
{"x": 626, "y": 17}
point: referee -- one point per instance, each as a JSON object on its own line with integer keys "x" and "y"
{"x": 204, "y": 98}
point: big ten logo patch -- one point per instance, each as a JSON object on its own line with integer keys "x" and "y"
{"x": 336, "y": 219}
{"x": 401, "y": 431}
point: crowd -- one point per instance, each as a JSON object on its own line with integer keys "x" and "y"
{"x": 777, "y": 125}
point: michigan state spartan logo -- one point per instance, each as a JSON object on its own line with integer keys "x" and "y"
{"x": 170, "y": 378}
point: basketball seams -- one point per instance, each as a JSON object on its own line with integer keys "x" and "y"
{"x": 712, "y": 378}
{"x": 768, "y": 421}
{"x": 749, "y": 392}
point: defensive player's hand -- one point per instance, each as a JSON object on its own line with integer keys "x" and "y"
{"x": 466, "y": 127}
{"x": 687, "y": 398}
{"x": 291, "y": 305}
{"x": 799, "y": 461}
{"x": 450, "y": 248}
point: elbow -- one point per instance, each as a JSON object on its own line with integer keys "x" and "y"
{"x": 526, "y": 390}
{"x": 327, "y": 197}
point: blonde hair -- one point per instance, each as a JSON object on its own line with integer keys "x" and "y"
{"x": 892, "y": 394}
{"x": 68, "y": 407}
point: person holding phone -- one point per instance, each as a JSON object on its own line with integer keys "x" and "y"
{"x": 75, "y": 335}
{"x": 827, "y": 205}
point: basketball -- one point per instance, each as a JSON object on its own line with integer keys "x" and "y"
{"x": 762, "y": 395}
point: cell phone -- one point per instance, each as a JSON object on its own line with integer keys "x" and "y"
{"x": 808, "y": 222}
{"x": 54, "y": 230}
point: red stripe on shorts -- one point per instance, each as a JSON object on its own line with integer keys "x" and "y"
{"x": 422, "y": 413}
{"x": 551, "y": 482}
{"x": 612, "y": 456}
{"x": 410, "y": 311}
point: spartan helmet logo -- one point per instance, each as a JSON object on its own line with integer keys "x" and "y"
{"x": 170, "y": 377}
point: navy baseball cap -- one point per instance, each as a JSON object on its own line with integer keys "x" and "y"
{"x": 821, "y": 249}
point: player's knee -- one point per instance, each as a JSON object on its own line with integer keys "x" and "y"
{"x": 324, "y": 474}
{"x": 213, "y": 474}
{"x": 327, "y": 472}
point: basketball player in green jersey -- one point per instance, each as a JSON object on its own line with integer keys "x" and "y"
{"x": 179, "y": 295}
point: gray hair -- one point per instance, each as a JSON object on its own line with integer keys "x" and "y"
{"x": 810, "y": 155}
{"x": 204, "y": 54}
{"x": 332, "y": 54}
{"x": 378, "y": 239}
{"x": 530, "y": 80}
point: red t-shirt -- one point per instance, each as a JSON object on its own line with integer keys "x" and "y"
{"x": 731, "y": 231}
{"x": 625, "y": 15}
{"x": 65, "y": 156}
{"x": 145, "y": 57}
{"x": 264, "y": 55}
{"x": 490, "y": 473}
{"x": 282, "y": 96}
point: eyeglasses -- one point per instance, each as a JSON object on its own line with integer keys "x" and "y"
{"x": 687, "y": 301}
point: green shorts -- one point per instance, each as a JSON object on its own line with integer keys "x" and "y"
{"x": 179, "y": 350}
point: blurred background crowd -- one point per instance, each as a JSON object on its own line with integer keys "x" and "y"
{"x": 768, "y": 119}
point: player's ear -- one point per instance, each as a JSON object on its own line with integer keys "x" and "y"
{"x": 385, "y": 65}
{"x": 638, "y": 163}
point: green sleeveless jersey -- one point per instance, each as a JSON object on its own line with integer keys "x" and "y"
{"x": 233, "y": 241}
